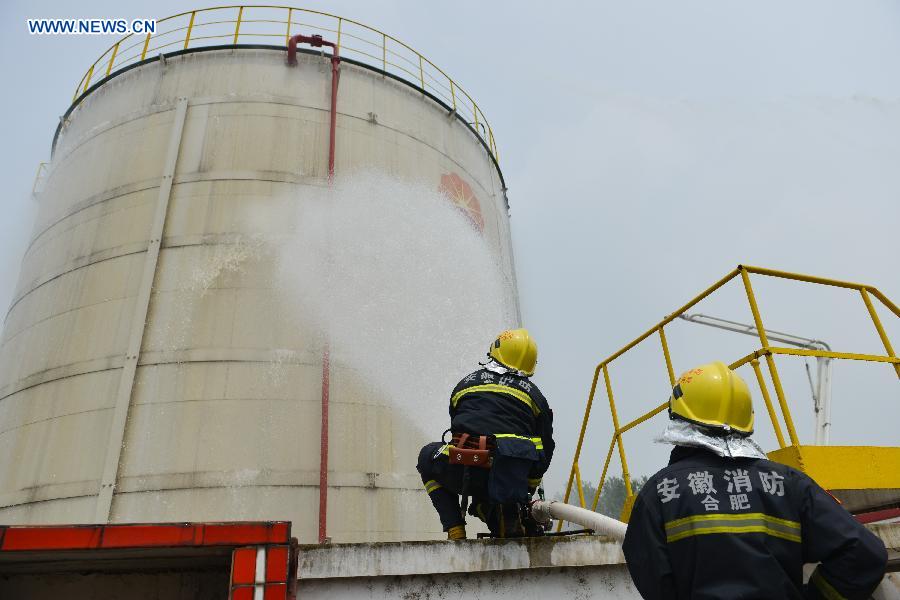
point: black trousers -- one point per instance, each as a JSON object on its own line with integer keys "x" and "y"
{"x": 444, "y": 483}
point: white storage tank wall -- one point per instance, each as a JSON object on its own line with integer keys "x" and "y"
{"x": 211, "y": 434}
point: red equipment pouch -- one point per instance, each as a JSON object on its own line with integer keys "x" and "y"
{"x": 477, "y": 456}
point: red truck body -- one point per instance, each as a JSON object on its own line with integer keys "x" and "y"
{"x": 207, "y": 561}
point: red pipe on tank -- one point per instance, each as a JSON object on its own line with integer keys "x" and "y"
{"x": 323, "y": 453}
{"x": 318, "y": 42}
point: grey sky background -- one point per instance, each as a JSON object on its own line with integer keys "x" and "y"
{"x": 649, "y": 148}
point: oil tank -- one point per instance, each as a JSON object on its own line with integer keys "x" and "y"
{"x": 114, "y": 405}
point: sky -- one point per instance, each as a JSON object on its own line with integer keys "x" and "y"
{"x": 649, "y": 148}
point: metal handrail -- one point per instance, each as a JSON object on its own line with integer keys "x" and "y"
{"x": 396, "y": 57}
{"x": 39, "y": 177}
{"x": 738, "y": 327}
{"x": 821, "y": 391}
{"x": 765, "y": 352}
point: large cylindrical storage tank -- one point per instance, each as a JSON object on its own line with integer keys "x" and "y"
{"x": 129, "y": 392}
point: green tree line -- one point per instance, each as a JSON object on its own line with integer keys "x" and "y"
{"x": 612, "y": 498}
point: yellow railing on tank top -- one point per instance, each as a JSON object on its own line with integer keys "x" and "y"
{"x": 274, "y": 25}
{"x": 765, "y": 352}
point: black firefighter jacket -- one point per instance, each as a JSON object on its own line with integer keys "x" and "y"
{"x": 713, "y": 527}
{"x": 512, "y": 409}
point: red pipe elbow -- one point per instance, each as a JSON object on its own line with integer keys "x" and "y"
{"x": 315, "y": 41}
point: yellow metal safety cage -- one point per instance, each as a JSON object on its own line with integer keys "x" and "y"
{"x": 813, "y": 460}
{"x": 274, "y": 25}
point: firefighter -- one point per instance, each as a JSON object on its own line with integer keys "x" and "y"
{"x": 502, "y": 431}
{"x": 721, "y": 521}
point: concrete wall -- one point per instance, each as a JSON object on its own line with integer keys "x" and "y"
{"x": 576, "y": 583}
{"x": 207, "y": 432}
{"x": 534, "y": 568}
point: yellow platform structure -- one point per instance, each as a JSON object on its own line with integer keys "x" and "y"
{"x": 861, "y": 477}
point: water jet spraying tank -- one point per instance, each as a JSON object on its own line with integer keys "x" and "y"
{"x": 148, "y": 370}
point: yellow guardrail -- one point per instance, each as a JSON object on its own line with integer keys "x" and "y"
{"x": 765, "y": 352}
{"x": 233, "y": 25}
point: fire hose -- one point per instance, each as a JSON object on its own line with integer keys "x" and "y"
{"x": 543, "y": 511}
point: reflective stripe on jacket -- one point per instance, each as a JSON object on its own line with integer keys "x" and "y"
{"x": 711, "y": 527}
{"x": 509, "y": 407}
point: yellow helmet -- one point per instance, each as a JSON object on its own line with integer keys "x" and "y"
{"x": 715, "y": 396}
{"x": 515, "y": 349}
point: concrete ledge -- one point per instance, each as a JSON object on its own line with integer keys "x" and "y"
{"x": 468, "y": 556}
{"x": 890, "y": 535}
{"x": 379, "y": 559}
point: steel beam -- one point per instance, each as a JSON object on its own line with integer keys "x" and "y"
{"x": 139, "y": 322}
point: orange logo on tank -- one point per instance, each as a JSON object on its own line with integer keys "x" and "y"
{"x": 462, "y": 196}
